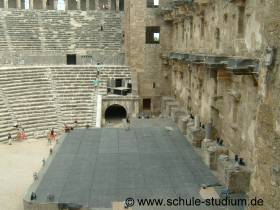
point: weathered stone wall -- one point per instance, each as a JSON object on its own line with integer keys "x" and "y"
{"x": 143, "y": 58}
{"x": 266, "y": 176}
{"x": 220, "y": 28}
{"x": 244, "y": 109}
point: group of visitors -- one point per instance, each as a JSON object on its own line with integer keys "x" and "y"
{"x": 52, "y": 135}
{"x": 20, "y": 134}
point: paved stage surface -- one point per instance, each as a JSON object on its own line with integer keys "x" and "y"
{"x": 97, "y": 167}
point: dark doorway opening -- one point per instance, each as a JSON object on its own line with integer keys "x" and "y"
{"x": 121, "y": 5}
{"x": 146, "y": 104}
{"x": 118, "y": 83}
{"x": 115, "y": 113}
{"x": 71, "y": 59}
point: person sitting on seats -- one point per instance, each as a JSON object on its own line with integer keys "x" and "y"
{"x": 23, "y": 135}
{"x": 67, "y": 128}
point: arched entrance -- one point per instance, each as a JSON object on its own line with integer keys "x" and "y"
{"x": 115, "y": 113}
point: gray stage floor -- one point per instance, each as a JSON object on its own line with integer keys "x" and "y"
{"x": 96, "y": 167}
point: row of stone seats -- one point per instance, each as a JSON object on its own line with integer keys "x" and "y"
{"x": 59, "y": 30}
{"x": 28, "y": 92}
{"x": 3, "y": 41}
{"x": 42, "y": 98}
{"x": 22, "y": 30}
{"x": 5, "y": 121}
{"x": 216, "y": 156}
{"x": 75, "y": 93}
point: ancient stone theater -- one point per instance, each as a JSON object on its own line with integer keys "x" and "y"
{"x": 141, "y": 104}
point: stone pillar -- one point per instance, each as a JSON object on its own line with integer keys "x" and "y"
{"x": 31, "y": 3}
{"x": 78, "y": 4}
{"x": 110, "y": 4}
{"x": 117, "y": 5}
{"x": 87, "y": 5}
{"x": 66, "y": 4}
{"x": 55, "y": 4}
{"x": 6, "y": 4}
{"x": 196, "y": 122}
{"x": 208, "y": 131}
{"x": 44, "y": 4}
{"x": 96, "y": 5}
{"x": 18, "y": 4}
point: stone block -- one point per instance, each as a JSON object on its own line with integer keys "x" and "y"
{"x": 169, "y": 106}
{"x": 164, "y": 102}
{"x": 176, "y": 113}
{"x": 211, "y": 152}
{"x": 195, "y": 136}
{"x": 235, "y": 177}
{"x": 182, "y": 123}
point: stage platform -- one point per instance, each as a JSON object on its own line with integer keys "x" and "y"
{"x": 95, "y": 168}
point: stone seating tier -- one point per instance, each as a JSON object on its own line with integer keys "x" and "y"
{"x": 41, "y": 98}
{"x": 55, "y": 30}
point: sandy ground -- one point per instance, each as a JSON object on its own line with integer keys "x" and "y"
{"x": 17, "y": 164}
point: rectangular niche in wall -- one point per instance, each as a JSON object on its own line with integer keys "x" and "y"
{"x": 152, "y": 3}
{"x": 83, "y": 5}
{"x": 152, "y": 35}
{"x": 1, "y": 3}
{"x": 113, "y": 5}
{"x": 37, "y": 4}
{"x": 147, "y": 104}
{"x": 240, "y": 27}
{"x": 119, "y": 86}
{"x": 72, "y": 4}
{"x": 121, "y": 5}
{"x": 50, "y": 4}
{"x": 91, "y": 4}
{"x": 12, "y": 4}
{"x": 71, "y": 59}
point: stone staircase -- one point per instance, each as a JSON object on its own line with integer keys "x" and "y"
{"x": 41, "y": 98}
{"x": 47, "y": 30}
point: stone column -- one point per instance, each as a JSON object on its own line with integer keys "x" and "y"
{"x": 6, "y": 4}
{"x": 117, "y": 5}
{"x": 87, "y": 5}
{"x": 196, "y": 122}
{"x": 55, "y": 4}
{"x": 110, "y": 4}
{"x": 208, "y": 131}
{"x": 31, "y": 3}
{"x": 66, "y": 4}
{"x": 96, "y": 4}
{"x": 44, "y": 4}
{"x": 78, "y": 4}
{"x": 18, "y": 4}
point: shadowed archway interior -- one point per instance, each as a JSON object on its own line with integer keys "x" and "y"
{"x": 115, "y": 112}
